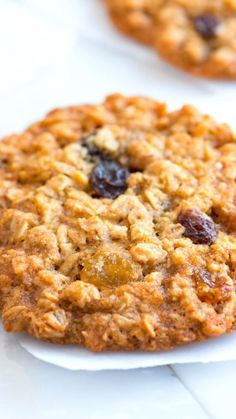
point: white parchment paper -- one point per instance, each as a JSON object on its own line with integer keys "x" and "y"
{"x": 75, "y": 358}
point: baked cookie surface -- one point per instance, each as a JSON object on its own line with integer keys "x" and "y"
{"x": 117, "y": 227}
{"x": 197, "y": 36}
{"x": 136, "y": 18}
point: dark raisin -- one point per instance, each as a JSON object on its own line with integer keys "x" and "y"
{"x": 109, "y": 179}
{"x": 205, "y": 277}
{"x": 94, "y": 152}
{"x": 198, "y": 227}
{"x": 3, "y": 162}
{"x": 206, "y": 25}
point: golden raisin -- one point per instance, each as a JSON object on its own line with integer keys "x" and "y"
{"x": 110, "y": 267}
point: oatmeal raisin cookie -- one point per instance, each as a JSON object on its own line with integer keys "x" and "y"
{"x": 118, "y": 227}
{"x": 197, "y": 36}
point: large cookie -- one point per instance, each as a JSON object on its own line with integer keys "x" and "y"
{"x": 117, "y": 227}
{"x": 197, "y": 36}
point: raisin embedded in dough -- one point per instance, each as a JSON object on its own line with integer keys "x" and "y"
{"x": 109, "y": 179}
{"x": 199, "y": 228}
{"x": 206, "y": 25}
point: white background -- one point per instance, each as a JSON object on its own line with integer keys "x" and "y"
{"x": 59, "y": 52}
